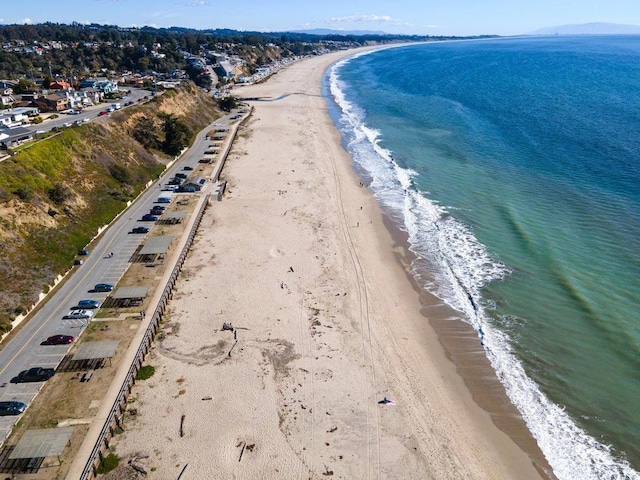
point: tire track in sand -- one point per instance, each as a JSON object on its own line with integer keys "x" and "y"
{"x": 364, "y": 317}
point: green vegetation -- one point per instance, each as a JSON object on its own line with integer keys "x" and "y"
{"x": 56, "y": 194}
{"x": 227, "y": 103}
{"x": 176, "y": 135}
{"x": 146, "y": 372}
{"x": 108, "y": 463}
{"x": 90, "y": 48}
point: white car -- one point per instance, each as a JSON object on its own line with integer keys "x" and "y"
{"x": 169, "y": 188}
{"x": 78, "y": 315}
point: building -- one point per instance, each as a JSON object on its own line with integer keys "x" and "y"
{"x": 10, "y": 119}
{"x": 54, "y": 102}
{"x": 14, "y": 136}
{"x": 101, "y": 83}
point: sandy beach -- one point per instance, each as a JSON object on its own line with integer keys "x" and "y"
{"x": 298, "y": 258}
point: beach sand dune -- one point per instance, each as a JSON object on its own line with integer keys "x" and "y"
{"x": 326, "y": 323}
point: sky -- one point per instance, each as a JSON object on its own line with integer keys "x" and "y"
{"x": 411, "y": 17}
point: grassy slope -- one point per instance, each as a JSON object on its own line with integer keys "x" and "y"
{"x": 38, "y": 237}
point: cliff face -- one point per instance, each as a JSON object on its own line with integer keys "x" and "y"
{"x": 56, "y": 193}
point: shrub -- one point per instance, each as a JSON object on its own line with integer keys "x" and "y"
{"x": 24, "y": 193}
{"x": 146, "y": 372}
{"x": 108, "y": 463}
{"x": 120, "y": 173}
{"x": 59, "y": 193}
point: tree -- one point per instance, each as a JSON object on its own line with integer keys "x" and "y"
{"x": 228, "y": 103}
{"x": 146, "y": 132}
{"x": 176, "y": 135}
{"x": 23, "y": 86}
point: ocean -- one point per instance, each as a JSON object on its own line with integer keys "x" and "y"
{"x": 514, "y": 167}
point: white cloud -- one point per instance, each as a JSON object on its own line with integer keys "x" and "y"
{"x": 25, "y": 21}
{"x": 368, "y": 19}
{"x": 198, "y": 3}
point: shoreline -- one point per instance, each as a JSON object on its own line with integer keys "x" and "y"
{"x": 321, "y": 342}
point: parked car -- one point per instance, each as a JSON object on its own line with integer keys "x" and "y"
{"x": 78, "y": 315}
{"x": 187, "y": 188}
{"x": 156, "y": 211}
{"x": 58, "y": 340}
{"x": 89, "y": 304}
{"x": 187, "y": 168}
{"x": 181, "y": 175}
{"x": 84, "y": 252}
{"x": 140, "y": 230}
{"x": 35, "y": 374}
{"x": 163, "y": 200}
{"x": 147, "y": 217}
{"x": 78, "y": 261}
{"x": 11, "y": 408}
{"x": 169, "y": 188}
{"x": 103, "y": 287}
{"x": 175, "y": 181}
{"x": 103, "y": 112}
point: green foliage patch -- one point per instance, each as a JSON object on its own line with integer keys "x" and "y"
{"x": 146, "y": 372}
{"x": 108, "y": 463}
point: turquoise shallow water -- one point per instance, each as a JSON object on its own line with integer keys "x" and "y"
{"x": 514, "y": 166}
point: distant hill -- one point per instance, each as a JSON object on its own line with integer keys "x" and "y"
{"x": 589, "y": 29}
{"x": 328, "y": 31}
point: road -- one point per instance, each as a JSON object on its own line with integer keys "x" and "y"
{"x": 24, "y": 350}
{"x": 88, "y": 113}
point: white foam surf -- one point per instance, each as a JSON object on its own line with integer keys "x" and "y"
{"x": 458, "y": 266}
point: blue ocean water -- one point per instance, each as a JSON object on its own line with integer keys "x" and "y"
{"x": 514, "y": 167}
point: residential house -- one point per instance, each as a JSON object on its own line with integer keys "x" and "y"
{"x": 15, "y": 136}
{"x": 225, "y": 69}
{"x": 10, "y": 119}
{"x": 28, "y": 111}
{"x": 101, "y": 83}
{"x": 54, "y": 102}
{"x": 91, "y": 96}
{"x": 59, "y": 85}
{"x": 7, "y": 100}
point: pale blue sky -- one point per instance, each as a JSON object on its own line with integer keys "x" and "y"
{"x": 432, "y": 17}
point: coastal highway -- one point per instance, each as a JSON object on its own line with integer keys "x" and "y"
{"x": 24, "y": 351}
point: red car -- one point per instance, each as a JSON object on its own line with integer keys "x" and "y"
{"x": 58, "y": 340}
{"x": 103, "y": 112}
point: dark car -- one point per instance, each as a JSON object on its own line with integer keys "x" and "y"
{"x": 11, "y": 408}
{"x": 187, "y": 168}
{"x": 156, "y": 211}
{"x": 164, "y": 200}
{"x": 78, "y": 261}
{"x": 181, "y": 175}
{"x": 187, "y": 188}
{"x": 140, "y": 230}
{"x": 175, "y": 181}
{"x": 88, "y": 304}
{"x": 58, "y": 340}
{"x": 103, "y": 287}
{"x": 84, "y": 252}
{"x": 147, "y": 217}
{"x": 35, "y": 374}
